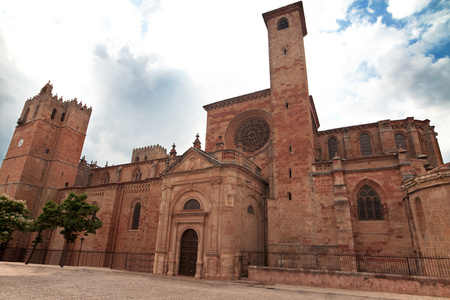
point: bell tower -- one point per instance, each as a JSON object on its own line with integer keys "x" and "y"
{"x": 45, "y": 148}
{"x": 294, "y": 121}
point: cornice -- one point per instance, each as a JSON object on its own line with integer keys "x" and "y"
{"x": 238, "y": 99}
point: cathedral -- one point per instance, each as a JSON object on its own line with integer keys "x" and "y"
{"x": 267, "y": 180}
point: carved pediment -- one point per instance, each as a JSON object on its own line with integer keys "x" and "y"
{"x": 192, "y": 159}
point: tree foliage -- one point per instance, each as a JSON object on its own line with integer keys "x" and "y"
{"x": 48, "y": 219}
{"x": 77, "y": 216}
{"x": 14, "y": 216}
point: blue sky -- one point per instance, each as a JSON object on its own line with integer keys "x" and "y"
{"x": 148, "y": 67}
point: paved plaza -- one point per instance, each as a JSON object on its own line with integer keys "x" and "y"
{"x": 18, "y": 281}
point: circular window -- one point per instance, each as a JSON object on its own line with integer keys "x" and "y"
{"x": 252, "y": 134}
{"x": 250, "y": 130}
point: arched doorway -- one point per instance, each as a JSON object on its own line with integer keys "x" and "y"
{"x": 188, "y": 253}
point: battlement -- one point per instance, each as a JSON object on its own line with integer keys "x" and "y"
{"x": 51, "y": 108}
{"x": 46, "y": 92}
{"x": 149, "y": 152}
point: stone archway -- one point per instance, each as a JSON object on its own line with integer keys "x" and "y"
{"x": 188, "y": 253}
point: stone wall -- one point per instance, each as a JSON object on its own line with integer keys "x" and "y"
{"x": 415, "y": 285}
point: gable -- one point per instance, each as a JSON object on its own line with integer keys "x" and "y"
{"x": 191, "y": 160}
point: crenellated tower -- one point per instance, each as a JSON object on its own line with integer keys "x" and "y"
{"x": 45, "y": 148}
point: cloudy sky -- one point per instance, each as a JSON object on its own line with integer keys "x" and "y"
{"x": 147, "y": 67}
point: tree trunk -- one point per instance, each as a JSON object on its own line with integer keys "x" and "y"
{"x": 34, "y": 247}
{"x": 63, "y": 255}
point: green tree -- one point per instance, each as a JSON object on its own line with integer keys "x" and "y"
{"x": 76, "y": 216}
{"x": 48, "y": 219}
{"x": 14, "y": 216}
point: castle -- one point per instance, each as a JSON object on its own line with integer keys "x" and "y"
{"x": 267, "y": 181}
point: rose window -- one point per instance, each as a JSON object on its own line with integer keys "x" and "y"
{"x": 252, "y": 134}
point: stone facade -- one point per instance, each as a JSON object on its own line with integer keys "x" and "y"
{"x": 268, "y": 180}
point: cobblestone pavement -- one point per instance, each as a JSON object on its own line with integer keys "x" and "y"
{"x": 18, "y": 281}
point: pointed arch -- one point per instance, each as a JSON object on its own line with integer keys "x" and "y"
{"x": 136, "y": 216}
{"x": 369, "y": 204}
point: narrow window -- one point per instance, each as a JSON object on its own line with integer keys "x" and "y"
{"x": 106, "y": 179}
{"x": 400, "y": 141}
{"x": 421, "y": 220}
{"x": 283, "y": 23}
{"x": 138, "y": 175}
{"x": 289, "y": 196}
{"x": 90, "y": 179}
{"x": 25, "y": 115}
{"x": 332, "y": 148}
{"x": 67, "y": 184}
{"x": 53, "y": 114}
{"x": 63, "y": 116}
{"x": 364, "y": 143}
{"x": 250, "y": 210}
{"x": 145, "y": 157}
{"x": 136, "y": 216}
{"x": 36, "y": 111}
{"x": 94, "y": 214}
{"x": 369, "y": 204}
{"x": 287, "y": 105}
{"x": 290, "y": 173}
{"x": 191, "y": 204}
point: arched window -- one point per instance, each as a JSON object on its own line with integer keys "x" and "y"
{"x": 145, "y": 157}
{"x": 192, "y": 204}
{"x": 136, "y": 216}
{"x": 35, "y": 111}
{"x": 400, "y": 141}
{"x": 136, "y": 159}
{"x": 106, "y": 178}
{"x": 364, "y": 143}
{"x": 63, "y": 116}
{"x": 53, "y": 114}
{"x": 138, "y": 175}
{"x": 25, "y": 115}
{"x": 94, "y": 214}
{"x": 250, "y": 210}
{"x": 369, "y": 204}
{"x": 91, "y": 176}
{"x": 332, "y": 148}
{"x": 283, "y": 23}
{"x": 421, "y": 220}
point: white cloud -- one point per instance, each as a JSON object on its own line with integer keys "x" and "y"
{"x": 402, "y": 9}
{"x": 148, "y": 68}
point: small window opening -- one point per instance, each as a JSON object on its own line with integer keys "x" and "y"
{"x": 90, "y": 179}
{"x": 400, "y": 141}
{"x": 25, "y": 115}
{"x": 63, "y": 116}
{"x": 364, "y": 142}
{"x": 67, "y": 184}
{"x": 145, "y": 157}
{"x": 289, "y": 196}
{"x": 53, "y": 114}
{"x": 47, "y": 151}
{"x": 136, "y": 159}
{"x": 290, "y": 149}
{"x": 136, "y": 216}
{"x": 138, "y": 175}
{"x": 192, "y": 204}
{"x": 283, "y": 23}
{"x": 287, "y": 105}
{"x": 36, "y": 111}
{"x": 290, "y": 173}
{"x": 250, "y": 210}
{"x": 106, "y": 179}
